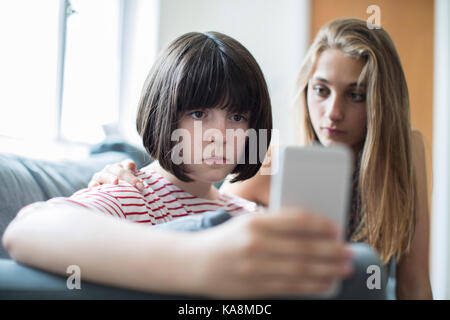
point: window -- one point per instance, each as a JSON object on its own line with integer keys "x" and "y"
{"x": 98, "y": 56}
{"x": 29, "y": 40}
{"x": 91, "y": 77}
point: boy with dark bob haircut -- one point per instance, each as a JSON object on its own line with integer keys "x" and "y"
{"x": 202, "y": 70}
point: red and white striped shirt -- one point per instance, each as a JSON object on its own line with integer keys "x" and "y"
{"x": 159, "y": 202}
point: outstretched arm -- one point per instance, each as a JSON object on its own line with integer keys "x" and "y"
{"x": 254, "y": 255}
{"x": 107, "y": 250}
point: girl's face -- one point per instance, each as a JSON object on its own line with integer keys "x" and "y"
{"x": 217, "y": 141}
{"x": 337, "y": 107}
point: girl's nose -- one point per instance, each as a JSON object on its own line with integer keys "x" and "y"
{"x": 335, "y": 109}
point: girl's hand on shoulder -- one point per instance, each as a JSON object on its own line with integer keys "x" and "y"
{"x": 268, "y": 255}
{"x": 111, "y": 174}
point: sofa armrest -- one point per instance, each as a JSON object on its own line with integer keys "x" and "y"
{"x": 19, "y": 282}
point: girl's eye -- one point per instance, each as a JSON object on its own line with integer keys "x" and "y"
{"x": 320, "y": 91}
{"x": 197, "y": 115}
{"x": 358, "y": 97}
{"x": 238, "y": 118}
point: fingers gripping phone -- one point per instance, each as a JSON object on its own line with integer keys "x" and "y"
{"x": 317, "y": 179}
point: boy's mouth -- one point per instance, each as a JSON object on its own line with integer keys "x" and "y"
{"x": 215, "y": 160}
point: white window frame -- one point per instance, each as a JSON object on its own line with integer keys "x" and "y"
{"x": 440, "y": 235}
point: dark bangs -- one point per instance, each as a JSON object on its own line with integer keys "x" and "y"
{"x": 212, "y": 76}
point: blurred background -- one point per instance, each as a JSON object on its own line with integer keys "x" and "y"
{"x": 71, "y": 72}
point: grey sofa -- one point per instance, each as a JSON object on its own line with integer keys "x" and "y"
{"x": 24, "y": 180}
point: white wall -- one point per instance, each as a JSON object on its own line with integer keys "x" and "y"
{"x": 275, "y": 32}
{"x": 440, "y": 269}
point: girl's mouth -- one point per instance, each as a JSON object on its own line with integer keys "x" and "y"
{"x": 333, "y": 131}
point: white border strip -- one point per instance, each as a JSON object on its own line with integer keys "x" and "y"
{"x": 440, "y": 231}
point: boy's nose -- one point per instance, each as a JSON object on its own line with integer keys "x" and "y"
{"x": 215, "y": 135}
{"x": 219, "y": 127}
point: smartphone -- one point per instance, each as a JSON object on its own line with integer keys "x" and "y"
{"x": 317, "y": 179}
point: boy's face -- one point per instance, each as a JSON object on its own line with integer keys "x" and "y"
{"x": 213, "y": 142}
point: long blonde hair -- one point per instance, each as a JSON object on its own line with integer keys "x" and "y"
{"x": 386, "y": 181}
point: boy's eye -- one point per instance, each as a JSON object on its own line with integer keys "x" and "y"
{"x": 197, "y": 115}
{"x": 238, "y": 118}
